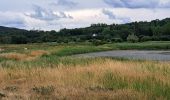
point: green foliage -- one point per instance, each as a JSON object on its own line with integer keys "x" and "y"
{"x": 117, "y": 40}
{"x": 157, "y": 29}
{"x": 98, "y": 42}
{"x": 132, "y": 38}
{"x": 146, "y": 38}
{"x": 143, "y": 46}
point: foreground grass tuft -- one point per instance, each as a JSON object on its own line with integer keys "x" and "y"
{"x": 44, "y": 90}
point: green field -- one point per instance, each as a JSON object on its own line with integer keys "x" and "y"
{"x": 48, "y": 72}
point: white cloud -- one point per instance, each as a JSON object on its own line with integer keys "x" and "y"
{"x": 78, "y": 13}
{"x": 49, "y": 15}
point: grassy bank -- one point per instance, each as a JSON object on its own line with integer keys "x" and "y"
{"x": 152, "y": 45}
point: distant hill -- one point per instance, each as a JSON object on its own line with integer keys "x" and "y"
{"x": 7, "y": 30}
{"x": 158, "y": 30}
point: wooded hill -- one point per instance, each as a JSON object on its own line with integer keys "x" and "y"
{"x": 156, "y": 30}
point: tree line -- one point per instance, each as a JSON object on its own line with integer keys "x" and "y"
{"x": 155, "y": 30}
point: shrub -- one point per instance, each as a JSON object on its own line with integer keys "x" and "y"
{"x": 146, "y": 38}
{"x": 132, "y": 38}
{"x": 165, "y": 37}
{"x": 117, "y": 40}
{"x": 98, "y": 42}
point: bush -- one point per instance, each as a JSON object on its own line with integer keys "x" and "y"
{"x": 155, "y": 38}
{"x": 161, "y": 38}
{"x": 165, "y": 38}
{"x": 98, "y": 42}
{"x": 132, "y": 38}
{"x": 117, "y": 40}
{"x": 146, "y": 38}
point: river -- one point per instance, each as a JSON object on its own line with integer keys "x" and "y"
{"x": 132, "y": 54}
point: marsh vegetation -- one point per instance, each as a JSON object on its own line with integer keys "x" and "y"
{"x": 48, "y": 71}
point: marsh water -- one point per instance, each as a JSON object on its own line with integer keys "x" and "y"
{"x": 132, "y": 54}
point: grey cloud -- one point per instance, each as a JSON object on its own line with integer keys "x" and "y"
{"x": 125, "y": 19}
{"x": 14, "y": 23}
{"x": 114, "y": 3}
{"x": 47, "y": 15}
{"x": 66, "y": 3}
{"x": 137, "y": 3}
{"x": 111, "y": 15}
{"x": 63, "y": 15}
{"x": 8, "y": 20}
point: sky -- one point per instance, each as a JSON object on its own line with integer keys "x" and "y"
{"x": 59, "y": 14}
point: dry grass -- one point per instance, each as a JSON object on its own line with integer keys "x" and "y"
{"x": 15, "y": 56}
{"x": 24, "y": 57}
{"x": 83, "y": 81}
{"x": 39, "y": 53}
{"x": 1, "y": 49}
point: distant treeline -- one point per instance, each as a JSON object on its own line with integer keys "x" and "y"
{"x": 156, "y": 30}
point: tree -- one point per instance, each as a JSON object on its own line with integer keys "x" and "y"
{"x": 166, "y": 29}
{"x": 107, "y": 33}
{"x": 19, "y": 39}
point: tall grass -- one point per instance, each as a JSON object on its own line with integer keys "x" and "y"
{"x": 92, "y": 78}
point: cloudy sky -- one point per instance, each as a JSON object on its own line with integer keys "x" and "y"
{"x": 57, "y": 14}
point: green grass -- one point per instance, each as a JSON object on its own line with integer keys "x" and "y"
{"x": 112, "y": 81}
{"x": 149, "y": 86}
{"x": 152, "y": 45}
{"x": 68, "y": 49}
{"x": 152, "y": 86}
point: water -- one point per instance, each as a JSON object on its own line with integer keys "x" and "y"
{"x": 132, "y": 54}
